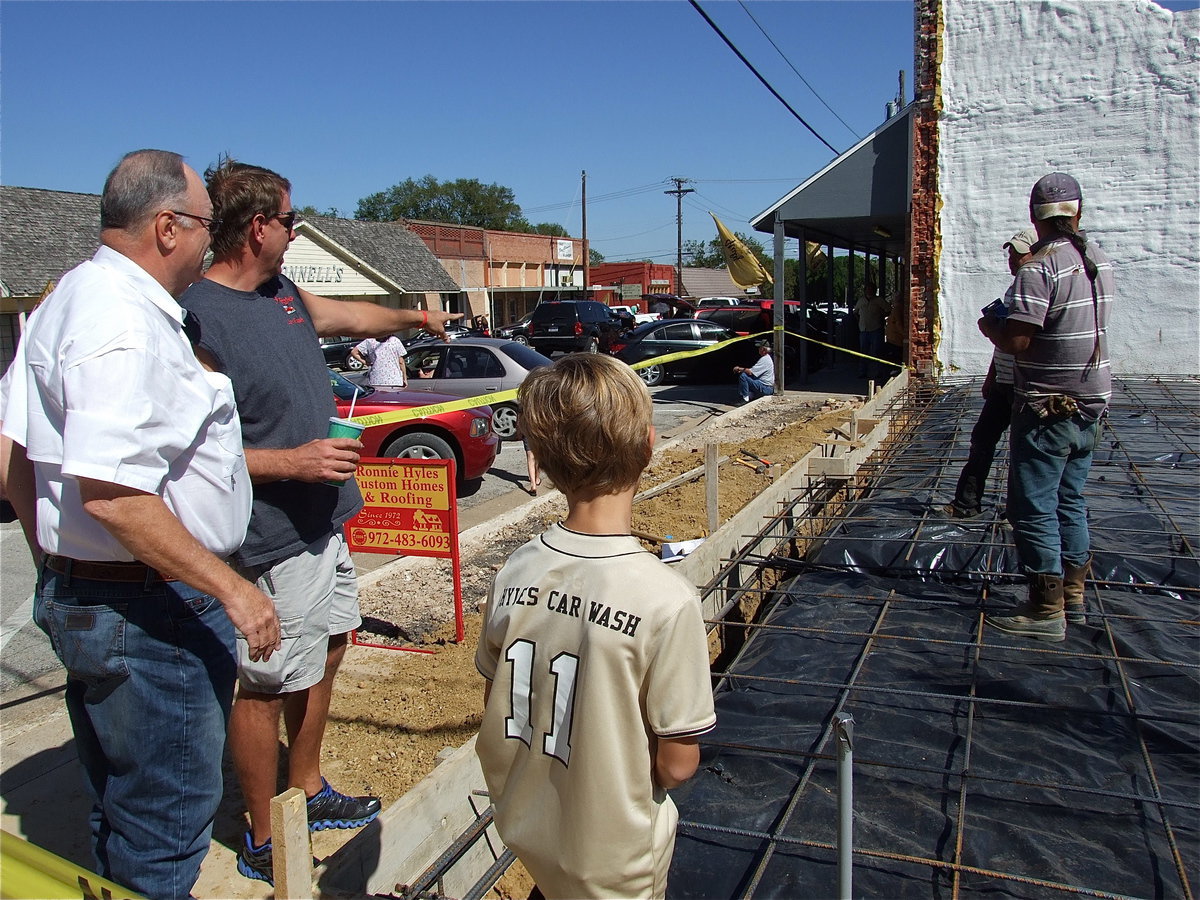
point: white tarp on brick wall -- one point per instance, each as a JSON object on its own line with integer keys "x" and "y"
{"x": 1108, "y": 90}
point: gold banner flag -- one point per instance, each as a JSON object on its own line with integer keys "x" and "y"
{"x": 744, "y": 267}
{"x": 815, "y": 256}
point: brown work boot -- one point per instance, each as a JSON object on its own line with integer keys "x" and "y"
{"x": 1041, "y": 616}
{"x": 1073, "y": 581}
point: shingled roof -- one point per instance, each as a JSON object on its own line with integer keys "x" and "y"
{"x": 700, "y": 282}
{"x": 43, "y": 235}
{"x": 390, "y": 249}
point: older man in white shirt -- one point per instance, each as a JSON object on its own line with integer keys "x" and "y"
{"x": 123, "y": 459}
{"x": 759, "y": 379}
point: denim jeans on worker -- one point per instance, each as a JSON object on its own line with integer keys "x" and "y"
{"x": 993, "y": 420}
{"x": 150, "y": 676}
{"x": 871, "y": 343}
{"x": 1049, "y": 461}
{"x": 752, "y": 388}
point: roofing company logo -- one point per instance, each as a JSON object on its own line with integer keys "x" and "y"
{"x": 289, "y": 309}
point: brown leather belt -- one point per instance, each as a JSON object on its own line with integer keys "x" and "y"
{"x": 104, "y": 571}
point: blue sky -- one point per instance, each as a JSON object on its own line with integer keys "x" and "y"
{"x": 348, "y": 98}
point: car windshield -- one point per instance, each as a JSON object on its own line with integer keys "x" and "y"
{"x": 345, "y": 389}
{"x": 525, "y": 357}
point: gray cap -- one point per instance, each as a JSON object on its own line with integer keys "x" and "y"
{"x": 1022, "y": 241}
{"x": 1056, "y": 194}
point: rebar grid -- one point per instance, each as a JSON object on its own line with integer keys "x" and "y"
{"x": 886, "y": 579}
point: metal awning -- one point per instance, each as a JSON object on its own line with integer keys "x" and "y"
{"x": 861, "y": 198}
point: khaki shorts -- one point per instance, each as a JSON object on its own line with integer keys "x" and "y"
{"x": 316, "y": 597}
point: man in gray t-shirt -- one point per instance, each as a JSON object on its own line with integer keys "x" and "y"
{"x": 1057, "y": 329}
{"x": 262, "y": 330}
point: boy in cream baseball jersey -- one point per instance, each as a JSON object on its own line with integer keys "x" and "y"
{"x": 595, "y": 655}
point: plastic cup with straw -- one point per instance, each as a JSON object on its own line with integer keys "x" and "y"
{"x": 344, "y": 428}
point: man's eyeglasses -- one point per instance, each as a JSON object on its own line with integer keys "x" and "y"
{"x": 286, "y": 219}
{"x": 211, "y": 224}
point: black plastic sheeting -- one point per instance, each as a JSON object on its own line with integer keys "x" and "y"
{"x": 984, "y": 764}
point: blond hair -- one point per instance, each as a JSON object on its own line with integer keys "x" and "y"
{"x": 587, "y": 420}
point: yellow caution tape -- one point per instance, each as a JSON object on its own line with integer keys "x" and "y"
{"x": 420, "y": 412}
{"x": 28, "y": 871}
{"x": 685, "y": 354}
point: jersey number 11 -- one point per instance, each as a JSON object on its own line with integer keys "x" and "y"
{"x": 557, "y": 741}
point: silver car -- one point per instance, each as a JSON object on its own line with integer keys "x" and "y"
{"x": 469, "y": 367}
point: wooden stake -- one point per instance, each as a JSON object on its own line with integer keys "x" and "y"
{"x": 710, "y": 487}
{"x": 291, "y": 847}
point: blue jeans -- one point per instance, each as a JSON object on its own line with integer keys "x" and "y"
{"x": 1049, "y": 461}
{"x": 752, "y": 388}
{"x": 150, "y": 675}
{"x": 871, "y": 343}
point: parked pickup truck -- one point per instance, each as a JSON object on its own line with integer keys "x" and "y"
{"x": 638, "y": 317}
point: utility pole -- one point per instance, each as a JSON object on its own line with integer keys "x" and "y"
{"x": 587, "y": 256}
{"x": 679, "y": 191}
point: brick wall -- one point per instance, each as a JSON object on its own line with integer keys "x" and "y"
{"x": 511, "y": 246}
{"x": 924, "y": 235}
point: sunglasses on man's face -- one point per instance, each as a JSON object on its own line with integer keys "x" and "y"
{"x": 286, "y": 219}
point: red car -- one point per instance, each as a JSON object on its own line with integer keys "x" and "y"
{"x": 463, "y": 435}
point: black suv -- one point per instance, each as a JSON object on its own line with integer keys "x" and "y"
{"x": 568, "y": 325}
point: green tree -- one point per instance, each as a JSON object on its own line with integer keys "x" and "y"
{"x": 595, "y": 257}
{"x": 308, "y": 211}
{"x": 465, "y": 201}
{"x": 551, "y": 228}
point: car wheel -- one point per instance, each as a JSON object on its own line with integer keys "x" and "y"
{"x": 419, "y": 445}
{"x": 355, "y": 365}
{"x": 504, "y": 422}
{"x": 592, "y": 346}
{"x": 521, "y": 339}
{"x": 653, "y": 375}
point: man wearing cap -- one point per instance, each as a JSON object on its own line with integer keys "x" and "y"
{"x": 1057, "y": 329}
{"x": 758, "y": 380}
{"x": 997, "y": 398}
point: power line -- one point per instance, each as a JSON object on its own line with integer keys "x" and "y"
{"x": 623, "y": 237}
{"x": 765, "y": 83}
{"x": 711, "y": 203}
{"x": 600, "y": 198}
{"x": 794, "y": 69}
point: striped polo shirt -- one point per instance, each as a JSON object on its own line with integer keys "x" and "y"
{"x": 1002, "y": 363}
{"x": 1052, "y": 291}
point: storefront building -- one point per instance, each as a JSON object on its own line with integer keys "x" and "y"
{"x": 505, "y": 274}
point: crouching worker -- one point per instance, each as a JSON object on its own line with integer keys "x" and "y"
{"x": 595, "y": 655}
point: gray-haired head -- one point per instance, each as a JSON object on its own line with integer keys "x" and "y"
{"x": 143, "y": 183}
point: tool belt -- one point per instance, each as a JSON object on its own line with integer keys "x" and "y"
{"x": 134, "y": 572}
{"x": 1056, "y": 406}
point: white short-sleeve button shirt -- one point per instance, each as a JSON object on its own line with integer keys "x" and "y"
{"x": 105, "y": 386}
